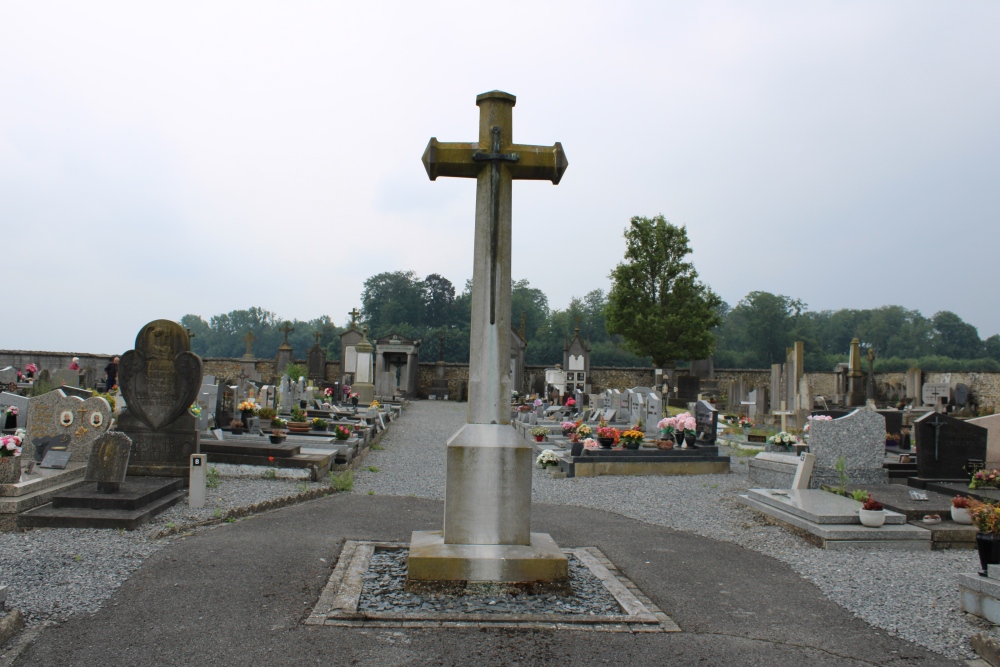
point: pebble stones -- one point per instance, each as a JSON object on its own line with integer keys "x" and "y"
{"x": 383, "y": 591}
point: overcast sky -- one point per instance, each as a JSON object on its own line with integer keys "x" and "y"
{"x": 158, "y": 160}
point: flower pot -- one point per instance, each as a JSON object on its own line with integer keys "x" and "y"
{"x": 539, "y": 438}
{"x": 689, "y": 439}
{"x": 276, "y": 439}
{"x": 566, "y": 432}
{"x": 265, "y": 424}
{"x": 872, "y": 518}
{"x": 664, "y": 444}
{"x": 237, "y": 431}
{"x": 746, "y": 430}
{"x": 606, "y": 443}
{"x": 988, "y": 546}
{"x": 576, "y": 449}
{"x": 633, "y": 445}
{"x": 961, "y": 515}
{"x": 299, "y": 427}
{"x": 10, "y": 469}
{"x": 245, "y": 416}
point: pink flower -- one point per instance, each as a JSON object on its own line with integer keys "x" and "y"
{"x": 571, "y": 401}
{"x": 590, "y": 443}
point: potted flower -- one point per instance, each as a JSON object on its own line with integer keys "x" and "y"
{"x": 278, "y": 422}
{"x": 266, "y": 415}
{"x": 9, "y": 416}
{"x": 195, "y": 410}
{"x": 236, "y": 426}
{"x": 299, "y": 422}
{"x": 631, "y": 439}
{"x": 584, "y": 431}
{"x": 10, "y": 459}
{"x": 590, "y": 443}
{"x": 872, "y": 514}
{"x": 892, "y": 439}
{"x": 686, "y": 423}
{"x": 985, "y": 479}
{"x": 960, "y": 510}
{"x": 746, "y": 424}
{"x": 567, "y": 428}
{"x": 319, "y": 424}
{"x": 785, "y": 440}
{"x": 607, "y": 436}
{"x": 547, "y": 459}
{"x": 986, "y": 518}
{"x": 277, "y": 436}
{"x": 341, "y": 432}
{"x": 354, "y": 400}
{"x": 667, "y": 426}
{"x": 539, "y": 432}
{"x": 247, "y": 410}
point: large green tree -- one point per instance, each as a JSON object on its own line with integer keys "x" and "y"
{"x": 656, "y": 302}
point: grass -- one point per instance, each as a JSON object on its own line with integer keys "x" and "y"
{"x": 377, "y": 448}
{"x": 371, "y": 492}
{"x": 212, "y": 478}
{"x": 342, "y": 482}
{"x": 371, "y": 469}
{"x": 271, "y": 473}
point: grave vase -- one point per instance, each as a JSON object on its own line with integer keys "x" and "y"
{"x": 10, "y": 469}
{"x": 606, "y": 443}
{"x": 245, "y": 416}
{"x": 689, "y": 439}
{"x": 961, "y": 515}
{"x": 988, "y": 545}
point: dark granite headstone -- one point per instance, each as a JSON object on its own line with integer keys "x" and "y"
{"x": 109, "y": 461}
{"x": 707, "y": 418}
{"x": 688, "y": 387}
{"x": 316, "y": 363}
{"x": 54, "y": 458}
{"x": 946, "y": 445}
{"x": 893, "y": 421}
{"x": 44, "y": 444}
{"x": 160, "y": 379}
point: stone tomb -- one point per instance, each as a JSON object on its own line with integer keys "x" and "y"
{"x": 946, "y": 446}
{"x": 160, "y": 379}
{"x": 58, "y": 421}
{"x": 858, "y": 438}
{"x": 109, "y": 499}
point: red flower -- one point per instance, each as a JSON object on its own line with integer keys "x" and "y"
{"x": 271, "y": 459}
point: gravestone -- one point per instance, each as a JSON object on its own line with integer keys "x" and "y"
{"x": 946, "y": 446}
{"x": 992, "y": 425}
{"x": 160, "y": 379}
{"x": 8, "y": 399}
{"x": 208, "y": 399}
{"x": 625, "y": 407}
{"x": 688, "y": 388}
{"x": 936, "y": 393}
{"x": 858, "y": 438}
{"x": 654, "y": 412}
{"x": 57, "y": 420}
{"x": 707, "y": 418}
{"x": 108, "y": 461}
{"x": 64, "y": 376}
{"x": 8, "y": 378}
{"x": 316, "y": 361}
{"x": 636, "y": 408}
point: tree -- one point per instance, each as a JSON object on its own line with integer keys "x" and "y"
{"x": 656, "y": 302}
{"x": 392, "y": 298}
{"x": 439, "y": 301}
{"x": 954, "y": 337}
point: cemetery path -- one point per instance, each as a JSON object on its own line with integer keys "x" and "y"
{"x": 237, "y": 594}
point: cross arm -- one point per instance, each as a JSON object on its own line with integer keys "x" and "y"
{"x": 539, "y": 163}
{"x": 450, "y": 159}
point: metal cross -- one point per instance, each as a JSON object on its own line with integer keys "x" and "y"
{"x": 937, "y": 424}
{"x": 288, "y": 328}
{"x": 494, "y": 157}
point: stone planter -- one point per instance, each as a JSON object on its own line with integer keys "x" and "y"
{"x": 961, "y": 515}
{"x": 988, "y": 546}
{"x": 276, "y": 439}
{"x": 872, "y": 518}
{"x": 299, "y": 427}
{"x": 10, "y": 469}
{"x": 265, "y": 424}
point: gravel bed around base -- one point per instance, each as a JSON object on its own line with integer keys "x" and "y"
{"x": 913, "y": 595}
{"x": 383, "y": 591}
{"x": 53, "y": 573}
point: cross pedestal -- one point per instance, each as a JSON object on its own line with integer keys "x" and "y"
{"x": 487, "y": 516}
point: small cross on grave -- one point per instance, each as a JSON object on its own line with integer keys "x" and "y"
{"x": 937, "y": 424}
{"x": 287, "y": 329}
{"x": 317, "y": 335}
{"x": 354, "y": 317}
{"x": 249, "y": 338}
{"x": 191, "y": 334}
{"x": 783, "y": 413}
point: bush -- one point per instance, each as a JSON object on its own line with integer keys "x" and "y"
{"x": 342, "y": 482}
{"x": 295, "y": 371}
{"x": 267, "y": 413}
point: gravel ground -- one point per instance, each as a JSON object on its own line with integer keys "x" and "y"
{"x": 55, "y": 573}
{"x": 383, "y": 591}
{"x": 910, "y": 594}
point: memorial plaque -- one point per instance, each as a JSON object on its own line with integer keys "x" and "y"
{"x": 80, "y": 421}
{"x": 108, "y": 461}
{"x": 56, "y": 458}
{"x": 41, "y": 446}
{"x": 946, "y": 445}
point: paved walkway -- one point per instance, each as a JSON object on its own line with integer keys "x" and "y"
{"x": 236, "y": 595}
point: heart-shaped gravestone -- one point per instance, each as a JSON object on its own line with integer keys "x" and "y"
{"x": 160, "y": 379}
{"x": 55, "y": 414}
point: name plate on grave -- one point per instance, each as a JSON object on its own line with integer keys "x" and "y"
{"x": 55, "y": 459}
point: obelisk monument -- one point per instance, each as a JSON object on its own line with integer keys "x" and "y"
{"x": 487, "y": 516}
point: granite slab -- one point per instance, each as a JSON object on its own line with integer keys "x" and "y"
{"x": 818, "y": 506}
{"x": 896, "y": 497}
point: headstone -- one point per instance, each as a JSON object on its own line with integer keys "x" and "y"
{"x": 160, "y": 379}
{"x": 946, "y": 446}
{"x": 936, "y": 393}
{"x": 654, "y": 412}
{"x": 636, "y": 408}
{"x": 761, "y": 401}
{"x": 707, "y": 418}
{"x": 803, "y": 471}
{"x": 8, "y": 399}
{"x": 859, "y": 439}
{"x": 992, "y": 425}
{"x": 108, "y": 462}
{"x": 688, "y": 387}
{"x": 316, "y": 362}
{"x": 64, "y": 376}
{"x": 8, "y": 377}
{"x": 77, "y": 422}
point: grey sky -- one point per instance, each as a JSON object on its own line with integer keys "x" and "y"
{"x": 204, "y": 157}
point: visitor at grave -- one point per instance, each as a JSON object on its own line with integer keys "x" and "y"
{"x": 111, "y": 373}
{"x": 75, "y": 364}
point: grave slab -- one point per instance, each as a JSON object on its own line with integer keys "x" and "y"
{"x": 136, "y": 503}
{"x": 818, "y": 506}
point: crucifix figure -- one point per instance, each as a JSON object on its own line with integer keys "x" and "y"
{"x": 288, "y": 328}
{"x": 249, "y": 338}
{"x": 937, "y": 424}
{"x": 494, "y": 161}
{"x": 354, "y": 317}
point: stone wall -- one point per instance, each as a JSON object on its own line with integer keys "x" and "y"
{"x": 455, "y": 374}
{"x": 229, "y": 369}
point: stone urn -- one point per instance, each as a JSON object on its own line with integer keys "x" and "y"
{"x": 10, "y": 469}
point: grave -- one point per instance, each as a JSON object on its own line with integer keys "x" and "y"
{"x": 8, "y": 399}
{"x": 947, "y": 448}
{"x": 68, "y": 423}
{"x": 646, "y": 461}
{"x": 576, "y": 361}
{"x": 160, "y": 379}
{"x": 707, "y": 418}
{"x": 349, "y": 340}
{"x": 832, "y": 522}
{"x": 990, "y": 422}
{"x": 487, "y": 518}
{"x": 65, "y": 377}
{"x": 858, "y": 438}
{"x": 260, "y": 451}
{"x": 316, "y": 360}
{"x": 914, "y": 505}
{"x": 396, "y": 363}
{"x": 107, "y": 499}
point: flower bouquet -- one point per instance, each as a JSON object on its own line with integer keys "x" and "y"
{"x": 537, "y": 403}
{"x": 547, "y": 459}
{"x": 567, "y": 427}
{"x": 10, "y": 461}
{"x": 341, "y": 432}
{"x": 815, "y": 418}
{"x": 10, "y": 445}
{"x": 784, "y": 439}
{"x": 195, "y": 410}
{"x": 686, "y": 423}
{"x": 590, "y": 443}
{"x": 320, "y": 424}
{"x": 539, "y": 432}
{"x": 985, "y": 479}
{"x": 584, "y": 431}
{"x": 247, "y": 406}
{"x": 631, "y": 439}
{"x": 607, "y": 436}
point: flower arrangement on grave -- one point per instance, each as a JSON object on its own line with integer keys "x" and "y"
{"x": 571, "y": 402}
{"x": 341, "y": 432}
{"x": 10, "y": 445}
{"x": 783, "y": 439}
{"x": 745, "y": 422}
{"x": 583, "y": 430}
{"x": 539, "y": 432}
{"x": 871, "y": 505}
{"x": 278, "y": 422}
{"x": 537, "y": 403}
{"x": 567, "y": 427}
{"x": 547, "y": 458}
{"x": 815, "y": 418}
{"x": 590, "y": 443}
{"x": 374, "y": 404}
{"x": 247, "y": 406}
{"x": 667, "y": 426}
{"x": 893, "y": 439}
{"x": 236, "y": 426}
{"x": 195, "y": 410}
{"x": 8, "y": 415}
{"x": 961, "y": 502}
{"x": 524, "y": 408}
{"x": 328, "y": 392}
{"x": 267, "y": 413}
{"x": 632, "y": 438}
{"x": 608, "y": 435}
{"x": 985, "y": 516}
{"x": 31, "y": 369}
{"x": 985, "y": 479}
{"x": 320, "y": 424}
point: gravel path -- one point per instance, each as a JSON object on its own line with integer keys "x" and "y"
{"x": 910, "y": 594}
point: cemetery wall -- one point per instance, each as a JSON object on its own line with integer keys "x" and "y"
{"x": 229, "y": 369}
{"x": 455, "y": 374}
{"x": 751, "y": 377}
{"x": 607, "y": 377}
{"x": 52, "y": 361}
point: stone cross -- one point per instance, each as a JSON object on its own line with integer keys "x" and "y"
{"x": 249, "y": 338}
{"x": 317, "y": 336}
{"x": 354, "y": 317}
{"x": 494, "y": 161}
{"x": 288, "y": 328}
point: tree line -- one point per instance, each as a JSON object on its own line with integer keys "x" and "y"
{"x": 656, "y": 312}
